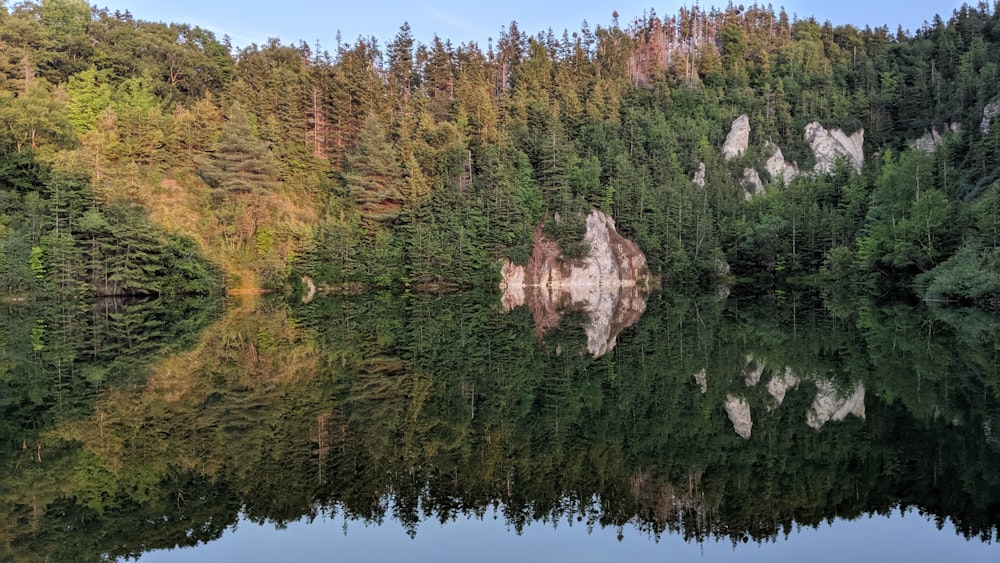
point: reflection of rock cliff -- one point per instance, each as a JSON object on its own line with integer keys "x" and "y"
{"x": 738, "y": 410}
{"x": 829, "y": 404}
{"x": 607, "y": 283}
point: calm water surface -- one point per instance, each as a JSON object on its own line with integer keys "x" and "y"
{"x": 455, "y": 428}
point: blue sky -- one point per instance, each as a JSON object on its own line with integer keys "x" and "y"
{"x": 462, "y": 21}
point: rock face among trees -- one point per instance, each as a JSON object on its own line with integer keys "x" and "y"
{"x": 606, "y": 283}
{"x": 738, "y": 139}
{"x": 778, "y": 167}
{"x": 751, "y": 183}
{"x": 830, "y": 405}
{"x": 991, "y": 110}
{"x": 829, "y": 145}
{"x": 738, "y": 410}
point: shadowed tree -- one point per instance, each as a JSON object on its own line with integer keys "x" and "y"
{"x": 374, "y": 175}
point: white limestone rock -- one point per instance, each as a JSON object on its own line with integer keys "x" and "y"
{"x": 752, "y": 371}
{"x": 701, "y": 378}
{"x": 738, "y": 410}
{"x": 778, "y": 386}
{"x": 738, "y": 138}
{"x": 829, "y": 145}
{"x": 751, "y": 183}
{"x": 778, "y": 167}
{"x": 991, "y": 111}
{"x": 606, "y": 283}
{"x": 699, "y": 176}
{"x": 929, "y": 142}
{"x": 829, "y": 406}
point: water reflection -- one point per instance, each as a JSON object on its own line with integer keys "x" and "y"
{"x": 830, "y": 402}
{"x": 608, "y": 310}
{"x": 436, "y": 408}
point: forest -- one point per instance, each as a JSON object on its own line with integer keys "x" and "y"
{"x": 148, "y": 158}
{"x": 426, "y": 408}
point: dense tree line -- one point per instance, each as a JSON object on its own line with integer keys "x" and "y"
{"x": 437, "y": 407}
{"x": 406, "y": 163}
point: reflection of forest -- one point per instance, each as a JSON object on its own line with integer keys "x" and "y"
{"x": 381, "y": 407}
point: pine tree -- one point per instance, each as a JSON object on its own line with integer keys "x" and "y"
{"x": 240, "y": 163}
{"x": 374, "y": 175}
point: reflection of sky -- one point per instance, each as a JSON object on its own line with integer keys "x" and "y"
{"x": 910, "y": 538}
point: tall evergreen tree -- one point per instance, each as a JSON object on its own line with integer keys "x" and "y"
{"x": 240, "y": 163}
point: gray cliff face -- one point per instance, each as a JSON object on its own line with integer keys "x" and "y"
{"x": 932, "y": 140}
{"x": 738, "y": 138}
{"x": 778, "y": 167}
{"x": 829, "y": 405}
{"x": 751, "y": 183}
{"x": 699, "y": 176}
{"x": 829, "y": 145}
{"x": 607, "y": 284}
{"x": 991, "y": 111}
{"x": 738, "y": 410}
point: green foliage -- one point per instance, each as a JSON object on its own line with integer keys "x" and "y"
{"x": 89, "y": 95}
{"x": 369, "y": 406}
{"x": 971, "y": 276}
{"x": 63, "y": 245}
{"x": 240, "y": 163}
{"x": 447, "y": 143}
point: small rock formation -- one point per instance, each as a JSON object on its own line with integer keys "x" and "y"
{"x": 778, "y": 167}
{"x": 991, "y": 111}
{"x": 929, "y": 142}
{"x": 738, "y": 138}
{"x": 828, "y": 406}
{"x": 778, "y": 386}
{"x": 828, "y": 146}
{"x": 752, "y": 370}
{"x": 701, "y": 378}
{"x": 699, "y": 176}
{"x": 738, "y": 410}
{"x": 606, "y": 284}
{"x": 310, "y": 290}
{"x": 752, "y": 186}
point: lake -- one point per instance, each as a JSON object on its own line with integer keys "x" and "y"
{"x": 779, "y": 427}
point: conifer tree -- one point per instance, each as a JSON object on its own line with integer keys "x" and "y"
{"x": 240, "y": 163}
{"x": 374, "y": 175}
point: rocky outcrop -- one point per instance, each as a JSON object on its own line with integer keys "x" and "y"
{"x": 778, "y": 167}
{"x": 779, "y": 385}
{"x": 929, "y": 142}
{"x": 607, "y": 284}
{"x": 699, "y": 176}
{"x": 738, "y": 138}
{"x": 828, "y": 405}
{"x": 752, "y": 371}
{"x": 701, "y": 378}
{"x": 752, "y": 186}
{"x": 991, "y": 111}
{"x": 738, "y": 410}
{"x": 829, "y": 145}
{"x": 309, "y": 290}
